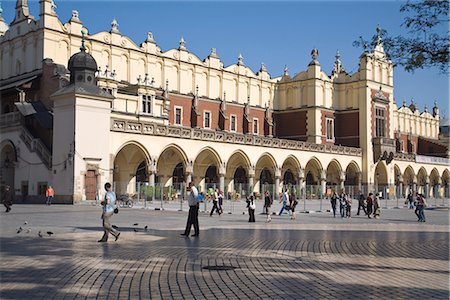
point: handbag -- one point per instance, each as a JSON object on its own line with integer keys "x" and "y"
{"x": 252, "y": 205}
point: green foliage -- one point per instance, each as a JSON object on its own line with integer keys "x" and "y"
{"x": 427, "y": 42}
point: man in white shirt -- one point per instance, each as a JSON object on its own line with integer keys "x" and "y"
{"x": 193, "y": 211}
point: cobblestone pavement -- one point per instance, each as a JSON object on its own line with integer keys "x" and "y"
{"x": 312, "y": 257}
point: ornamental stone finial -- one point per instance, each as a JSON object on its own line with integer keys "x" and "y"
{"x": 240, "y": 60}
{"x": 213, "y": 53}
{"x": 285, "y": 70}
{"x": 182, "y": 44}
{"x": 114, "y": 26}
{"x": 263, "y": 67}
{"x": 314, "y": 55}
{"x": 150, "y": 37}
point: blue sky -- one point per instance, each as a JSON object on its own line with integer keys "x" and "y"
{"x": 277, "y": 33}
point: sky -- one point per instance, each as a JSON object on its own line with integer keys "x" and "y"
{"x": 277, "y": 33}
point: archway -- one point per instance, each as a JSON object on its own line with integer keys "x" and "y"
{"x": 8, "y": 159}
{"x": 290, "y": 173}
{"x": 130, "y": 169}
{"x": 422, "y": 186}
{"x": 313, "y": 171}
{"x": 353, "y": 180}
{"x": 206, "y": 169}
{"x": 446, "y": 183}
{"x": 434, "y": 183}
{"x": 236, "y": 178}
{"x": 333, "y": 174}
{"x": 408, "y": 181}
{"x": 381, "y": 180}
{"x": 398, "y": 182}
{"x": 264, "y": 173}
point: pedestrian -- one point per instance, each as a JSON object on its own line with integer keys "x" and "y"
{"x": 348, "y": 205}
{"x": 343, "y": 205}
{"x": 361, "y": 203}
{"x": 377, "y": 206}
{"x": 333, "y": 201}
{"x": 410, "y": 201}
{"x": 284, "y": 199}
{"x": 8, "y": 198}
{"x": 220, "y": 202}
{"x": 109, "y": 208}
{"x": 49, "y": 193}
{"x": 292, "y": 203}
{"x": 251, "y": 209}
{"x": 193, "y": 211}
{"x": 421, "y": 204}
{"x": 215, "y": 196}
{"x": 267, "y": 204}
{"x": 369, "y": 205}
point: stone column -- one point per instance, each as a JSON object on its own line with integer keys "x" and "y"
{"x": 359, "y": 181}
{"x": 251, "y": 177}
{"x": 342, "y": 180}
{"x": 277, "y": 180}
{"x": 222, "y": 172}
{"x": 427, "y": 187}
{"x": 438, "y": 187}
{"x": 301, "y": 182}
{"x": 400, "y": 186}
{"x": 323, "y": 182}
{"x": 414, "y": 184}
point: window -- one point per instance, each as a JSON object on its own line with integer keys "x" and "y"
{"x": 255, "y": 126}
{"x": 207, "y": 119}
{"x": 42, "y": 187}
{"x": 233, "y": 123}
{"x": 178, "y": 115}
{"x": 380, "y": 122}
{"x": 147, "y": 104}
{"x": 330, "y": 129}
{"x": 402, "y": 146}
{"x": 108, "y": 90}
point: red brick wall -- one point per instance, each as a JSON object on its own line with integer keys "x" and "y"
{"x": 347, "y": 128}
{"x": 428, "y": 147}
{"x": 185, "y": 103}
{"x": 291, "y": 125}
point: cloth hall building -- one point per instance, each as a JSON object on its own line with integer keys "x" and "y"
{"x": 79, "y": 109}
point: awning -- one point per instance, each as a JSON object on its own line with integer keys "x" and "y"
{"x": 17, "y": 83}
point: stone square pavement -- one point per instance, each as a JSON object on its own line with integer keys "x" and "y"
{"x": 314, "y": 256}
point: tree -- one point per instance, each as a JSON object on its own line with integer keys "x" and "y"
{"x": 427, "y": 43}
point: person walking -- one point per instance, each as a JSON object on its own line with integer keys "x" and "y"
{"x": 361, "y": 203}
{"x": 377, "y": 206}
{"x": 215, "y": 196}
{"x": 49, "y": 193}
{"x": 369, "y": 205}
{"x": 411, "y": 201}
{"x": 421, "y": 204}
{"x": 284, "y": 199}
{"x": 348, "y": 205}
{"x": 220, "y": 202}
{"x": 109, "y": 207}
{"x": 193, "y": 211}
{"x": 251, "y": 209}
{"x": 333, "y": 201}
{"x": 8, "y": 198}
{"x": 343, "y": 204}
{"x": 292, "y": 203}
{"x": 267, "y": 204}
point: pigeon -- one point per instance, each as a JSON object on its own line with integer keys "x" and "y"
{"x": 115, "y": 227}
{"x": 135, "y": 224}
{"x": 28, "y": 230}
{"x": 40, "y": 234}
{"x": 25, "y": 223}
{"x": 19, "y": 230}
{"x": 135, "y": 230}
{"x": 146, "y": 227}
{"x": 49, "y": 233}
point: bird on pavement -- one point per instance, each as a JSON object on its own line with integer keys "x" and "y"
{"x": 40, "y": 234}
{"x": 135, "y": 230}
{"x": 49, "y": 233}
{"x": 146, "y": 227}
{"x": 25, "y": 223}
{"x": 19, "y": 230}
{"x": 135, "y": 224}
{"x": 115, "y": 227}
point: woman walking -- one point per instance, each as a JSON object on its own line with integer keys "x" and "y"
{"x": 267, "y": 204}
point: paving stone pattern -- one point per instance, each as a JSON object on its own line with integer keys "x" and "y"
{"x": 303, "y": 259}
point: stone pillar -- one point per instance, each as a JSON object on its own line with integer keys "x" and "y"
{"x": 438, "y": 187}
{"x": 301, "y": 182}
{"x": 277, "y": 180}
{"x": 359, "y": 181}
{"x": 414, "y": 185}
{"x": 342, "y": 180}
{"x": 323, "y": 182}
{"x": 251, "y": 177}
{"x": 427, "y": 187}
{"x": 400, "y": 186}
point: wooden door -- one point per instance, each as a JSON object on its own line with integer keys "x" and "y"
{"x": 90, "y": 183}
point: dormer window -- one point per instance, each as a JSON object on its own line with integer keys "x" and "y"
{"x": 207, "y": 120}
{"x": 255, "y": 126}
{"x": 330, "y": 130}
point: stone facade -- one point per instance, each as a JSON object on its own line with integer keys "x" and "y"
{"x": 165, "y": 118}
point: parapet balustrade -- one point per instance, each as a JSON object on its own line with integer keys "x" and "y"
{"x": 120, "y": 125}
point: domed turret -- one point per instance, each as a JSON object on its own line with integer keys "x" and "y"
{"x": 82, "y": 66}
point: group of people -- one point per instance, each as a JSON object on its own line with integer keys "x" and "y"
{"x": 370, "y": 205}
{"x": 419, "y": 204}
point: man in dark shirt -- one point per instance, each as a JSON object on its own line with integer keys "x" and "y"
{"x": 361, "y": 203}
{"x": 8, "y": 198}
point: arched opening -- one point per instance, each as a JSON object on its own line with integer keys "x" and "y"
{"x": 381, "y": 181}
{"x": 266, "y": 181}
{"x": 313, "y": 171}
{"x": 408, "y": 181}
{"x": 171, "y": 168}
{"x": 290, "y": 172}
{"x": 7, "y": 165}
{"x": 333, "y": 178}
{"x": 422, "y": 186}
{"x": 206, "y": 169}
{"x": 236, "y": 178}
{"x": 446, "y": 183}
{"x": 398, "y": 182}
{"x": 211, "y": 178}
{"x": 434, "y": 184}
{"x": 264, "y": 174}
{"x": 178, "y": 176}
{"x": 352, "y": 180}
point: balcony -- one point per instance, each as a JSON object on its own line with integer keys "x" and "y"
{"x": 383, "y": 149}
